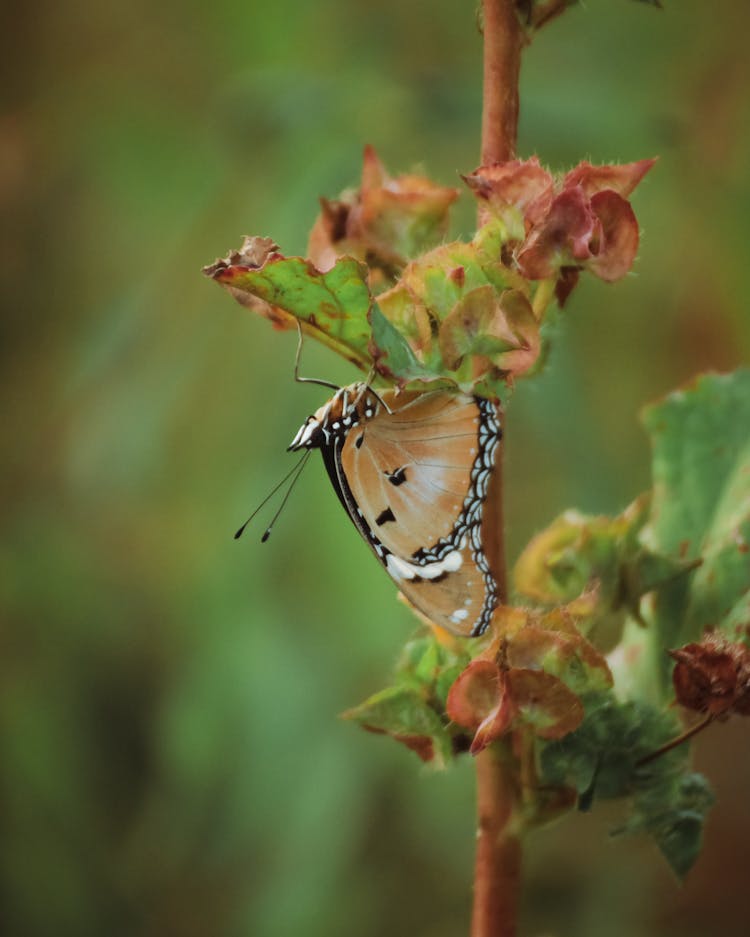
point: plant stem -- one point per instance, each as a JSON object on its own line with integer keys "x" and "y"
{"x": 673, "y": 743}
{"x": 503, "y": 40}
{"x": 497, "y": 877}
{"x": 497, "y": 869}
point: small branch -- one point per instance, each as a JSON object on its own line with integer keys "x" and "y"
{"x": 673, "y": 743}
{"x": 497, "y": 879}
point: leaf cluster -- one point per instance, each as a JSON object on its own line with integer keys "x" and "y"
{"x": 383, "y": 288}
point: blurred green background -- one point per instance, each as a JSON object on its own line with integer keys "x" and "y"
{"x": 171, "y": 764}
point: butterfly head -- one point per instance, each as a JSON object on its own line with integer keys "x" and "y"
{"x": 348, "y": 407}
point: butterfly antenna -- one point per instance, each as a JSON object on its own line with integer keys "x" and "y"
{"x": 307, "y": 380}
{"x": 302, "y": 463}
{"x": 297, "y": 468}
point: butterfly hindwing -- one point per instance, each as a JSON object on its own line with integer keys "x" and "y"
{"x": 412, "y": 471}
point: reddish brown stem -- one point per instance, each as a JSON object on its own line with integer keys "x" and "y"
{"x": 503, "y": 40}
{"x": 497, "y": 870}
{"x": 497, "y": 878}
{"x": 673, "y": 743}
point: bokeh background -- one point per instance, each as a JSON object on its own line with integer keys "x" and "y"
{"x": 171, "y": 762}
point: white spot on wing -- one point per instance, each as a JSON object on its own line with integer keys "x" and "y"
{"x": 452, "y": 562}
{"x": 401, "y": 569}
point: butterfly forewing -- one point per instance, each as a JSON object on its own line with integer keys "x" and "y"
{"x": 410, "y": 477}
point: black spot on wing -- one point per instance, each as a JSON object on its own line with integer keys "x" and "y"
{"x": 385, "y": 517}
{"x": 359, "y": 440}
{"x": 398, "y": 477}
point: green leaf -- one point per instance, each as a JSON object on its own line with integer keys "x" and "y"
{"x": 673, "y": 812}
{"x": 601, "y": 760}
{"x": 679, "y": 837}
{"x": 603, "y": 752}
{"x": 393, "y": 355}
{"x": 413, "y": 710}
{"x": 701, "y": 505}
{"x": 403, "y": 713}
{"x": 331, "y": 306}
{"x": 433, "y": 666}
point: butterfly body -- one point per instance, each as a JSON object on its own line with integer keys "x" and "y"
{"x": 412, "y": 471}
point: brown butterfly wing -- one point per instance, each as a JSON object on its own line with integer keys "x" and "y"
{"x": 415, "y": 481}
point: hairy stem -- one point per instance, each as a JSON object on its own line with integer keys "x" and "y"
{"x": 497, "y": 870}
{"x": 497, "y": 878}
{"x": 503, "y": 40}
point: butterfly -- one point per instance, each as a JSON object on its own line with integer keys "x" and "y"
{"x": 412, "y": 471}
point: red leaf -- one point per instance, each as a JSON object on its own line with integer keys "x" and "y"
{"x": 478, "y": 700}
{"x": 474, "y": 694}
{"x": 421, "y": 744}
{"x": 495, "y": 725}
{"x": 618, "y": 237}
{"x": 492, "y": 701}
{"x": 619, "y": 178}
{"x": 563, "y": 239}
{"x": 522, "y": 185}
{"x": 567, "y": 281}
{"x": 584, "y": 220}
{"x": 545, "y": 702}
